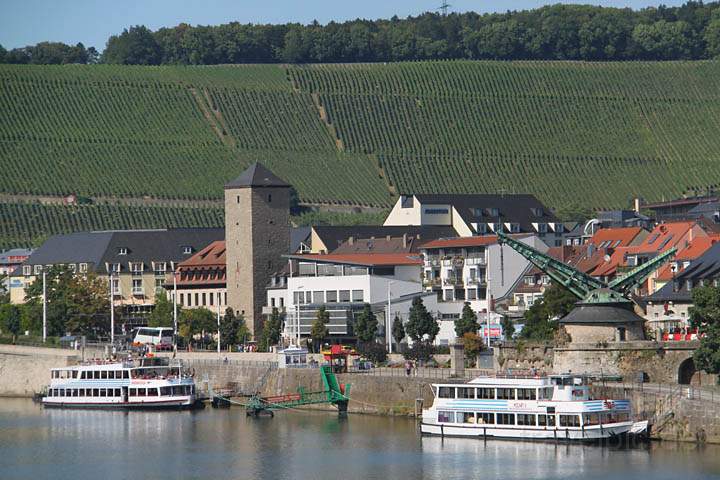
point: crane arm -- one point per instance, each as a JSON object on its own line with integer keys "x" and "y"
{"x": 579, "y": 283}
{"x": 636, "y": 276}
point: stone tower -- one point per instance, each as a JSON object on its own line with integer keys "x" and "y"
{"x": 257, "y": 235}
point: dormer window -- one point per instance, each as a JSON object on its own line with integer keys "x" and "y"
{"x": 514, "y": 227}
{"x": 27, "y": 270}
{"x": 537, "y": 211}
{"x": 542, "y": 227}
{"x": 493, "y": 212}
{"x": 482, "y": 228}
{"x": 122, "y": 251}
{"x": 83, "y": 267}
{"x": 38, "y": 269}
{"x": 187, "y": 250}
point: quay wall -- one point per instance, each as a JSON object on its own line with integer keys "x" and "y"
{"x": 675, "y": 413}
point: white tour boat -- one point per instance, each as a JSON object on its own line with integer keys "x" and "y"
{"x": 534, "y": 408}
{"x": 146, "y": 383}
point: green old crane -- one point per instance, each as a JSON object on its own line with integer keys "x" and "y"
{"x": 588, "y": 289}
{"x": 333, "y": 393}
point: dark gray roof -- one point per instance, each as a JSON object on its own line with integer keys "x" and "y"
{"x": 297, "y": 236}
{"x": 159, "y": 245}
{"x": 334, "y": 236}
{"x": 257, "y": 175}
{"x": 705, "y": 267}
{"x": 99, "y": 248}
{"x": 516, "y": 208}
{"x": 83, "y": 247}
{"x": 601, "y": 313}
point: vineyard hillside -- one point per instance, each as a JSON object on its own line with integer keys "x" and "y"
{"x": 578, "y": 135}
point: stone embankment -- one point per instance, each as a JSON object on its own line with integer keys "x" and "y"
{"x": 678, "y": 413}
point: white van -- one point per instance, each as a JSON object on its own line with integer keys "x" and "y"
{"x": 161, "y": 338}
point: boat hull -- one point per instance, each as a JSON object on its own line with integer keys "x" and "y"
{"x": 587, "y": 434}
{"x": 164, "y": 405}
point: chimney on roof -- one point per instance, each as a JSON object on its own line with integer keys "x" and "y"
{"x": 387, "y": 238}
{"x": 636, "y": 205}
{"x": 405, "y": 239}
{"x": 351, "y": 241}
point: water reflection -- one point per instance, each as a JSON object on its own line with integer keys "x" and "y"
{"x": 37, "y": 443}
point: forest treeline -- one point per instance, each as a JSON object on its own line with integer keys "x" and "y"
{"x": 557, "y": 32}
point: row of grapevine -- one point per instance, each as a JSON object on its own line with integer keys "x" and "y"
{"x": 560, "y": 181}
{"x": 23, "y": 224}
{"x": 659, "y": 80}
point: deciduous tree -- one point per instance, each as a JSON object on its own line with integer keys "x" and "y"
{"x": 319, "y": 330}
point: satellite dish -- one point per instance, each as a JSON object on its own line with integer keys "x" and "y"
{"x": 606, "y": 257}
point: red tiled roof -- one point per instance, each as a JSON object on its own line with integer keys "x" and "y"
{"x": 624, "y": 234}
{"x": 690, "y": 251}
{"x": 666, "y": 234}
{"x": 364, "y": 259}
{"x": 212, "y": 255}
{"x": 461, "y": 242}
{"x": 468, "y": 241}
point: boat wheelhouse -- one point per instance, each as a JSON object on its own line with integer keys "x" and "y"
{"x": 145, "y": 383}
{"x": 541, "y": 408}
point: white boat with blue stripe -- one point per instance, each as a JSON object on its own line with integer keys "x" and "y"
{"x": 146, "y": 383}
{"x": 556, "y": 407}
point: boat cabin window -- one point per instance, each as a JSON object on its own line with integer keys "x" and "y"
{"x": 486, "y": 393}
{"x": 568, "y": 381}
{"x": 526, "y": 394}
{"x": 488, "y": 418}
{"x": 446, "y": 392}
{"x": 526, "y": 419}
{"x": 506, "y": 419}
{"x": 446, "y": 417}
{"x": 465, "y": 392}
{"x": 104, "y": 374}
{"x": 545, "y": 393}
{"x": 546, "y": 420}
{"x": 96, "y": 375}
{"x": 506, "y": 394}
{"x": 465, "y": 417}
{"x": 569, "y": 420}
{"x": 591, "y": 419}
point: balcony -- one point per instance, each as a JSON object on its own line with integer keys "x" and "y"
{"x": 453, "y": 281}
{"x": 138, "y": 291}
{"x": 474, "y": 281}
{"x": 475, "y": 260}
{"x": 431, "y": 282}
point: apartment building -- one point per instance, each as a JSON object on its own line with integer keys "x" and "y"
{"x": 201, "y": 279}
{"x": 137, "y": 263}
{"x": 479, "y": 214}
{"x": 343, "y": 284}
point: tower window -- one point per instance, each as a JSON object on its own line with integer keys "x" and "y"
{"x": 269, "y": 198}
{"x": 238, "y": 199}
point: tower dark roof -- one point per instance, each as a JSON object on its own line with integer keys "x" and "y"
{"x": 257, "y": 175}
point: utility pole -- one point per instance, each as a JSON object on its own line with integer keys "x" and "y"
{"x": 44, "y": 305}
{"x": 444, "y": 8}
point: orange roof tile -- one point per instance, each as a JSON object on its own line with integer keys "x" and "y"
{"x": 212, "y": 255}
{"x": 625, "y": 235}
{"x": 461, "y": 242}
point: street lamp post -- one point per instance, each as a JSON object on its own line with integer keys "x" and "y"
{"x": 218, "y": 325}
{"x": 297, "y": 305}
{"x": 388, "y": 328}
{"x": 44, "y": 274}
{"x": 175, "y": 309}
{"x": 112, "y": 310}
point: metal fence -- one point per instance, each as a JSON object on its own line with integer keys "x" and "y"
{"x": 211, "y": 362}
{"x": 690, "y": 392}
{"x": 427, "y": 373}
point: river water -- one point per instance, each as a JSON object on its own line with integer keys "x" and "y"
{"x": 217, "y": 444}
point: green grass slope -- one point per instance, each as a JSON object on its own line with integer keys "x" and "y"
{"x": 578, "y": 135}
